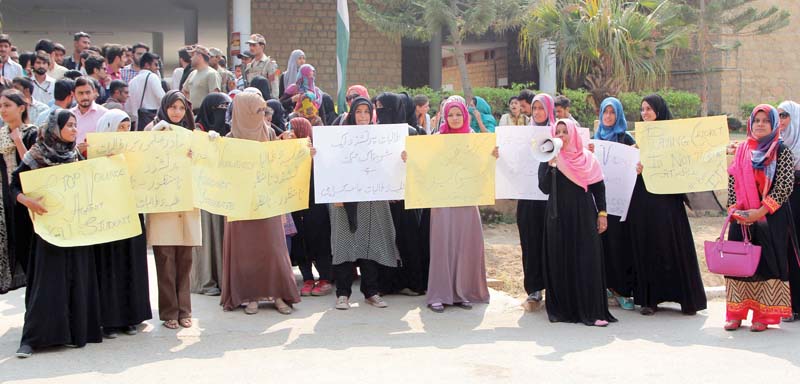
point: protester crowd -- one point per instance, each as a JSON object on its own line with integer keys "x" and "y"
{"x": 572, "y": 249}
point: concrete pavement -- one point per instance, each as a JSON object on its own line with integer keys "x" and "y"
{"x": 408, "y": 343}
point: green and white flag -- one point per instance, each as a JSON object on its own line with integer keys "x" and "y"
{"x": 342, "y": 48}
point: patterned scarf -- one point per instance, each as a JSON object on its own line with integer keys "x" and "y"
{"x": 50, "y": 149}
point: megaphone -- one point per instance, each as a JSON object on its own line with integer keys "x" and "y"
{"x": 546, "y": 149}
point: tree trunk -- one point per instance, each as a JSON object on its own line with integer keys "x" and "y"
{"x": 461, "y": 61}
{"x": 702, "y": 44}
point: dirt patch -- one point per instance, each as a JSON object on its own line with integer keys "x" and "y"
{"x": 504, "y": 255}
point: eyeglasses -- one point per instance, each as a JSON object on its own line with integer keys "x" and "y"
{"x": 352, "y": 97}
{"x": 784, "y": 115}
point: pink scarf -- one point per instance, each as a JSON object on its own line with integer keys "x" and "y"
{"x": 445, "y": 128}
{"x": 575, "y": 162}
{"x": 747, "y": 177}
{"x": 549, "y": 106}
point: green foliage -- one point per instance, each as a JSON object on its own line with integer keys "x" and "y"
{"x": 613, "y": 44}
{"x": 580, "y": 108}
{"x": 496, "y": 97}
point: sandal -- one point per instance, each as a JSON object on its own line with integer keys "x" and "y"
{"x": 758, "y": 327}
{"x": 282, "y": 307}
{"x": 171, "y": 324}
{"x": 464, "y": 305}
{"x": 648, "y": 311}
{"x": 600, "y": 323}
{"x": 732, "y": 325}
{"x": 437, "y": 307}
{"x": 251, "y": 308}
{"x": 185, "y": 322}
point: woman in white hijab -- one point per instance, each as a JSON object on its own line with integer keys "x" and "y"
{"x": 114, "y": 120}
{"x": 789, "y": 115}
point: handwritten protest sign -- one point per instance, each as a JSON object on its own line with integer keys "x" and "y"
{"x": 517, "y": 172}
{"x": 88, "y": 202}
{"x": 619, "y": 174}
{"x": 158, "y": 163}
{"x": 283, "y": 179}
{"x": 585, "y": 135}
{"x": 359, "y": 163}
{"x": 224, "y": 174}
{"x": 450, "y": 170}
{"x": 686, "y": 155}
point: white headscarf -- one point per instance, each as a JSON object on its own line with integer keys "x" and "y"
{"x": 791, "y": 135}
{"x": 292, "y": 69}
{"x": 111, "y": 120}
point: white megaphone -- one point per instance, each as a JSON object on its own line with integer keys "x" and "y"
{"x": 546, "y": 149}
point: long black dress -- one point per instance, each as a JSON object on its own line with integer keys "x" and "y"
{"x": 18, "y": 226}
{"x": 664, "y": 254}
{"x": 618, "y": 247}
{"x": 312, "y": 243}
{"x": 123, "y": 281}
{"x": 62, "y": 299}
{"x": 530, "y": 222}
{"x": 794, "y": 269}
{"x": 573, "y": 258}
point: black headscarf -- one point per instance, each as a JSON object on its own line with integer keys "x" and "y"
{"x": 50, "y": 148}
{"x": 170, "y": 98}
{"x": 659, "y": 106}
{"x": 278, "y": 115}
{"x": 411, "y": 115}
{"x": 262, "y": 84}
{"x": 351, "y": 117}
{"x": 212, "y": 113}
{"x": 392, "y": 110}
{"x": 352, "y": 208}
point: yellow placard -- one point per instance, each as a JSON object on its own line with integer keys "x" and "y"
{"x": 450, "y": 170}
{"x": 159, "y": 165}
{"x": 282, "y": 179}
{"x": 88, "y": 202}
{"x": 224, "y": 174}
{"x": 686, "y": 155}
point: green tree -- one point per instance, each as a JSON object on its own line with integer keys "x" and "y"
{"x": 420, "y": 19}
{"x": 615, "y": 45}
{"x": 718, "y": 25}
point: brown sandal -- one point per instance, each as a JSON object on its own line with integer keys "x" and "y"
{"x": 171, "y": 324}
{"x": 185, "y": 322}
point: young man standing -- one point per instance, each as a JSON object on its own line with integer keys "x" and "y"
{"x": 117, "y": 95}
{"x": 8, "y": 68}
{"x": 262, "y": 65}
{"x": 43, "y": 90}
{"x": 96, "y": 68}
{"x": 525, "y": 101}
{"x": 227, "y": 81}
{"x": 55, "y": 71}
{"x": 145, "y": 89}
{"x": 63, "y": 95}
{"x": 87, "y": 112}
{"x": 114, "y": 59}
{"x": 58, "y": 53}
{"x": 562, "y": 108}
{"x": 130, "y": 71}
{"x": 81, "y": 41}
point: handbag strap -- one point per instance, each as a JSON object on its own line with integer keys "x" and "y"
{"x": 745, "y": 232}
{"x": 144, "y": 91}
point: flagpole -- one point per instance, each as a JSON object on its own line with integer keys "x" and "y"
{"x": 342, "y": 50}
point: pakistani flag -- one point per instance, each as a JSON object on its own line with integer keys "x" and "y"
{"x": 342, "y": 48}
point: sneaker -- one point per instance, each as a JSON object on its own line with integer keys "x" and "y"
{"x": 343, "y": 303}
{"x": 130, "y": 330}
{"x": 308, "y": 286}
{"x": 322, "y": 288}
{"x": 377, "y": 301}
{"x": 24, "y": 351}
{"x": 212, "y": 292}
{"x": 535, "y": 297}
{"x": 625, "y": 303}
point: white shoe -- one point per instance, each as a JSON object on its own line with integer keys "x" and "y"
{"x": 343, "y": 303}
{"x": 377, "y": 301}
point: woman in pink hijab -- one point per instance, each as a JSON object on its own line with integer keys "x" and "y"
{"x": 573, "y": 269}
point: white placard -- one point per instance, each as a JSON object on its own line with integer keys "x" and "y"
{"x": 586, "y": 136}
{"x": 359, "y": 163}
{"x": 619, "y": 174}
{"x": 517, "y": 172}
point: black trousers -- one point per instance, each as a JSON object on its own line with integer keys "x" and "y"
{"x": 530, "y": 221}
{"x": 344, "y": 278}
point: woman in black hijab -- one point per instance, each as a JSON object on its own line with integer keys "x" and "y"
{"x": 278, "y": 116}
{"x": 262, "y": 84}
{"x": 62, "y": 300}
{"x": 212, "y": 113}
{"x": 663, "y": 248}
{"x": 411, "y": 277}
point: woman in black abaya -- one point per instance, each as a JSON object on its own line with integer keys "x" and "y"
{"x": 663, "y": 248}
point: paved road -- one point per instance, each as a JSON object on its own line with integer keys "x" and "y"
{"x": 408, "y": 343}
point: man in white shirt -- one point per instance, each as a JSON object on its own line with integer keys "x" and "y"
{"x": 43, "y": 83}
{"x": 184, "y": 62}
{"x": 8, "y": 68}
{"x": 144, "y": 90}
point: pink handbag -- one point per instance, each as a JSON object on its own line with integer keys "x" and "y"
{"x": 732, "y": 258}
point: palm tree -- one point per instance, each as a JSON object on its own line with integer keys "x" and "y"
{"x": 420, "y": 19}
{"x": 615, "y": 44}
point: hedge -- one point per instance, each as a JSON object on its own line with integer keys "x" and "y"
{"x": 682, "y": 104}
